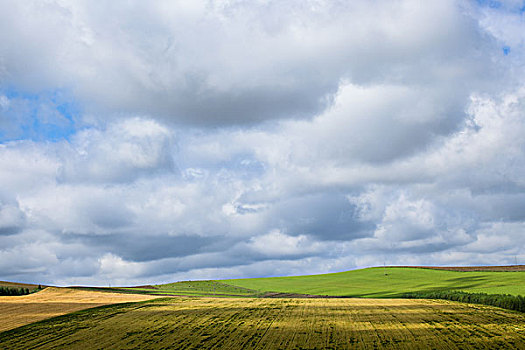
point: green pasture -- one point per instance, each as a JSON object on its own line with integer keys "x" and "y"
{"x": 376, "y": 282}
{"x": 391, "y": 282}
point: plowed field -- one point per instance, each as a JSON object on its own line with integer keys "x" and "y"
{"x": 16, "y": 311}
{"x": 508, "y": 268}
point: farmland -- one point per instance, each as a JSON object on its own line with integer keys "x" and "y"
{"x": 250, "y": 323}
{"x": 16, "y": 311}
{"x": 244, "y": 313}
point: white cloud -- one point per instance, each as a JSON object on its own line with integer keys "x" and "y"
{"x": 222, "y": 63}
{"x": 230, "y": 139}
{"x": 4, "y": 102}
{"x": 114, "y": 267}
{"x": 277, "y": 244}
{"x": 126, "y": 150}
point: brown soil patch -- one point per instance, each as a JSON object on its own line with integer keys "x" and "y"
{"x": 508, "y": 268}
{"x": 296, "y": 295}
{"x": 147, "y": 286}
{"x": 16, "y": 311}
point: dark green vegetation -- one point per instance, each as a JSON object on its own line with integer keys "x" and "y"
{"x": 505, "y": 301}
{"x": 255, "y": 323}
{"x": 389, "y": 282}
{"x": 14, "y": 291}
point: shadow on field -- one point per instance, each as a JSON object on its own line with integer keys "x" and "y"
{"x": 380, "y": 295}
{"x": 460, "y": 283}
{"x": 471, "y": 280}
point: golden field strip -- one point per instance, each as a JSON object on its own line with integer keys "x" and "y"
{"x": 259, "y": 323}
{"x": 16, "y": 311}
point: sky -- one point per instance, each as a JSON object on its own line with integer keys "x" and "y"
{"x": 151, "y": 142}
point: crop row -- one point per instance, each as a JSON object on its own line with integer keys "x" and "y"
{"x": 258, "y": 323}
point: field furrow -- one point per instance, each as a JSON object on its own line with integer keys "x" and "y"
{"x": 206, "y": 323}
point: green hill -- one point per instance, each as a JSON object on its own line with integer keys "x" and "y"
{"x": 379, "y": 282}
{"x": 375, "y": 282}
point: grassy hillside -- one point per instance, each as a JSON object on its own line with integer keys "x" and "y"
{"x": 378, "y": 282}
{"x": 389, "y": 282}
{"x": 250, "y": 323}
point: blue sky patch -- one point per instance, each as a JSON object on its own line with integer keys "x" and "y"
{"x": 48, "y": 116}
{"x": 494, "y": 4}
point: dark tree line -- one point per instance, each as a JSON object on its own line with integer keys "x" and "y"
{"x": 14, "y": 291}
{"x": 505, "y": 301}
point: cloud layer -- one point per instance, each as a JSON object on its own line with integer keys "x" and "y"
{"x": 232, "y": 139}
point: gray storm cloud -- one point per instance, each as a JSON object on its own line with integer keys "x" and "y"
{"x": 232, "y": 138}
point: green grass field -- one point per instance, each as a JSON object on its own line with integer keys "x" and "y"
{"x": 389, "y": 282}
{"x": 377, "y": 282}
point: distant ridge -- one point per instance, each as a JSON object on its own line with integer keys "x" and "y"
{"x": 506, "y": 268}
{"x": 19, "y": 285}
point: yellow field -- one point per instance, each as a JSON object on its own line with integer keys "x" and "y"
{"x": 16, "y": 311}
{"x": 205, "y": 323}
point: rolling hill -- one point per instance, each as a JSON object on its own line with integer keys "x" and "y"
{"x": 376, "y": 282}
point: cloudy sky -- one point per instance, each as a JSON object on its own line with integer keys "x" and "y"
{"x": 148, "y": 142}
